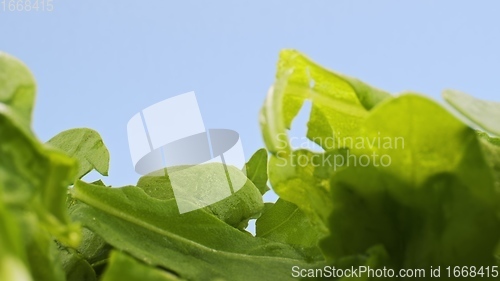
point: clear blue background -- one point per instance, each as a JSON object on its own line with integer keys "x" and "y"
{"x": 98, "y": 63}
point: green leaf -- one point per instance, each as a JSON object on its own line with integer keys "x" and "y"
{"x": 235, "y": 210}
{"x": 87, "y": 147}
{"x": 41, "y": 188}
{"x": 339, "y": 103}
{"x": 284, "y": 222}
{"x": 256, "y": 169}
{"x": 75, "y": 266}
{"x": 156, "y": 186}
{"x": 13, "y": 258}
{"x": 435, "y": 204}
{"x": 493, "y": 140}
{"x": 491, "y": 150}
{"x": 33, "y": 182}
{"x": 302, "y": 178}
{"x": 89, "y": 259}
{"x": 40, "y": 247}
{"x": 17, "y": 88}
{"x": 420, "y": 148}
{"x": 483, "y": 113}
{"x": 121, "y": 264}
{"x": 195, "y": 245}
{"x": 93, "y": 248}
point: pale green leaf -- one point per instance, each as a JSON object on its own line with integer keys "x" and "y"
{"x": 302, "y": 178}
{"x": 17, "y": 88}
{"x": 430, "y": 205}
{"x": 33, "y": 179}
{"x": 41, "y": 188}
{"x": 13, "y": 256}
{"x": 87, "y": 147}
{"x": 485, "y": 114}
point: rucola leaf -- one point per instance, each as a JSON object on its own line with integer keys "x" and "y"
{"x": 302, "y": 179}
{"x": 436, "y": 204}
{"x": 121, "y": 264}
{"x": 490, "y": 147}
{"x": 485, "y": 114}
{"x": 195, "y": 245}
{"x": 75, "y": 266}
{"x": 33, "y": 181}
{"x": 87, "y": 147}
{"x": 339, "y": 103}
{"x": 42, "y": 187}
{"x": 13, "y": 258}
{"x": 427, "y": 207}
{"x": 17, "y": 88}
{"x": 235, "y": 210}
{"x": 284, "y": 222}
{"x": 256, "y": 169}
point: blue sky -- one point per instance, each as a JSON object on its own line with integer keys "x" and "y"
{"x": 98, "y": 63}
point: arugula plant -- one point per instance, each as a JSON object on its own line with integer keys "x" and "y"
{"x": 436, "y": 204}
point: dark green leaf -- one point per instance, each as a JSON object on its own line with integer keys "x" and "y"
{"x": 235, "y": 210}
{"x": 256, "y": 169}
{"x": 75, "y": 266}
{"x": 284, "y": 222}
{"x": 121, "y": 265}
{"x": 195, "y": 245}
